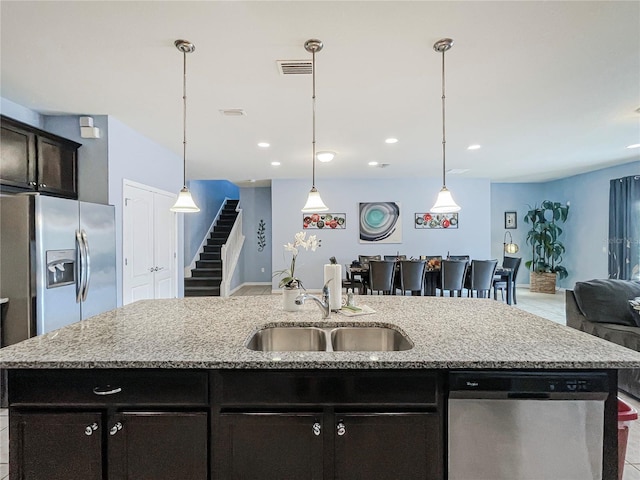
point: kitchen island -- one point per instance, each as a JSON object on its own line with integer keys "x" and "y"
{"x": 171, "y": 379}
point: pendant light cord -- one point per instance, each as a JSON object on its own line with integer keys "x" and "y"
{"x": 443, "y": 129}
{"x": 184, "y": 119}
{"x": 313, "y": 99}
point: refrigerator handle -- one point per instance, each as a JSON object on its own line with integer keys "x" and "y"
{"x": 87, "y": 265}
{"x": 80, "y": 267}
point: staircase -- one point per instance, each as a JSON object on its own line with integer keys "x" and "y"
{"x": 206, "y": 277}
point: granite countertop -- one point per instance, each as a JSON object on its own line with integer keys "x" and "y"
{"x": 211, "y": 332}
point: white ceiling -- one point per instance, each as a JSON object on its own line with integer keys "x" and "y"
{"x": 547, "y": 88}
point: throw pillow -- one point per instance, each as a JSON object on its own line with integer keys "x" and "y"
{"x": 607, "y": 301}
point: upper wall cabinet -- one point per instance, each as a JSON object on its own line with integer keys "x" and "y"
{"x": 35, "y": 160}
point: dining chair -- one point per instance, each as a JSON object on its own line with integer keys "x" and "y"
{"x": 365, "y": 259}
{"x": 381, "y": 276}
{"x": 412, "y": 275}
{"x": 459, "y": 257}
{"x": 350, "y": 282}
{"x": 481, "y": 278}
{"x": 499, "y": 283}
{"x": 395, "y": 258}
{"x": 452, "y": 273}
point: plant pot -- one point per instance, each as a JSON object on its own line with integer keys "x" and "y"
{"x": 289, "y": 299}
{"x": 543, "y": 282}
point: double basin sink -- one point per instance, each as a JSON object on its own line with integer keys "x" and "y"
{"x": 329, "y": 339}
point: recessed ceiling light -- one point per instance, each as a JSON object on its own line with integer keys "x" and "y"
{"x": 275, "y": 164}
{"x": 474, "y": 147}
{"x": 635, "y": 145}
{"x": 391, "y": 140}
{"x": 372, "y": 164}
{"x": 263, "y": 145}
{"x": 325, "y": 156}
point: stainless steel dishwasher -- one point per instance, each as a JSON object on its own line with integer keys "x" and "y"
{"x": 526, "y": 426}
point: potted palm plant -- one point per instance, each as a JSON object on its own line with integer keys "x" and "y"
{"x": 546, "y": 247}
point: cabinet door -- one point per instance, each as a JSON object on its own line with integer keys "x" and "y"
{"x": 388, "y": 446}
{"x": 158, "y": 446}
{"x": 270, "y": 447}
{"x": 57, "y": 167}
{"x": 17, "y": 157}
{"x": 56, "y": 446}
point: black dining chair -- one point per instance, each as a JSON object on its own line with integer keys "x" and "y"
{"x": 381, "y": 276}
{"x": 412, "y": 276}
{"x": 459, "y": 257}
{"x": 365, "y": 259}
{"x": 481, "y": 278}
{"x": 350, "y": 282}
{"x": 452, "y": 273}
{"x": 499, "y": 283}
{"x": 394, "y": 258}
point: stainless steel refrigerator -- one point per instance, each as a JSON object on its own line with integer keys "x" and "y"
{"x": 57, "y": 263}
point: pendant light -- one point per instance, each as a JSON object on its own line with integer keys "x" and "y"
{"x": 184, "y": 203}
{"x": 509, "y": 247}
{"x": 445, "y": 202}
{"x": 314, "y": 202}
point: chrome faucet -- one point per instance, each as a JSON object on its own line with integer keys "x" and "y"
{"x": 323, "y": 304}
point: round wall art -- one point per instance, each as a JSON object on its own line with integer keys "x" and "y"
{"x": 380, "y": 222}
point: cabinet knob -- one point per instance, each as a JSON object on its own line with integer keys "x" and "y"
{"x": 32, "y": 184}
{"x": 317, "y": 428}
{"x": 115, "y": 429}
{"x": 89, "y": 429}
{"x": 341, "y": 429}
{"x": 43, "y": 185}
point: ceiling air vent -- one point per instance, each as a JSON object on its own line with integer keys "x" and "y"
{"x": 233, "y": 112}
{"x": 295, "y": 67}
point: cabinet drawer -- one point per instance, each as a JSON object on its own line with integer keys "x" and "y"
{"x": 347, "y": 387}
{"x": 108, "y": 387}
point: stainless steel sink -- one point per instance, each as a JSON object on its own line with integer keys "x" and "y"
{"x": 289, "y": 339}
{"x": 368, "y": 339}
{"x": 329, "y": 339}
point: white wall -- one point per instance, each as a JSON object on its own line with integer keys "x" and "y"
{"x": 135, "y": 157}
{"x": 473, "y": 237}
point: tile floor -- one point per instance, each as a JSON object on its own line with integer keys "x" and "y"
{"x": 544, "y": 305}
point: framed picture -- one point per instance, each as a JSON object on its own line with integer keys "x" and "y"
{"x": 510, "y": 220}
{"x": 431, "y": 220}
{"x": 380, "y": 222}
{"x": 328, "y": 221}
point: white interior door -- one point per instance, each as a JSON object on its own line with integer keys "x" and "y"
{"x": 164, "y": 247}
{"x": 149, "y": 244}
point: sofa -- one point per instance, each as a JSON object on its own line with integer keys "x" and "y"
{"x": 601, "y": 308}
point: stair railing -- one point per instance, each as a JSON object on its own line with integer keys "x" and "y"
{"x": 230, "y": 253}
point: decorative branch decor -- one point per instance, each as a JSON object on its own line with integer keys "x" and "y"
{"x": 262, "y": 240}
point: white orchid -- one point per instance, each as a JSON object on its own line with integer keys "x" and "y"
{"x": 300, "y": 241}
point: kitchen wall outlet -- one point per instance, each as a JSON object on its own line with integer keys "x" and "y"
{"x": 262, "y": 269}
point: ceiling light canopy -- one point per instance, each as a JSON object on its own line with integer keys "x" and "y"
{"x": 445, "y": 202}
{"x": 391, "y": 140}
{"x": 372, "y": 164}
{"x": 184, "y": 203}
{"x": 635, "y": 145}
{"x": 275, "y": 164}
{"x": 264, "y": 145}
{"x": 314, "y": 202}
{"x": 475, "y": 146}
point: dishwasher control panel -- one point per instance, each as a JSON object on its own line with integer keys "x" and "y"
{"x": 525, "y": 383}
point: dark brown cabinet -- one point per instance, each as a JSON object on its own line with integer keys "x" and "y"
{"x": 56, "y": 446}
{"x": 271, "y": 446}
{"x": 35, "y": 160}
{"x": 314, "y": 425}
{"x": 109, "y": 425}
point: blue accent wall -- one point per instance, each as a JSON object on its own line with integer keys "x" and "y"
{"x": 256, "y": 206}
{"x": 18, "y": 112}
{"x": 209, "y": 195}
{"x": 415, "y": 195}
{"x": 586, "y": 231}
